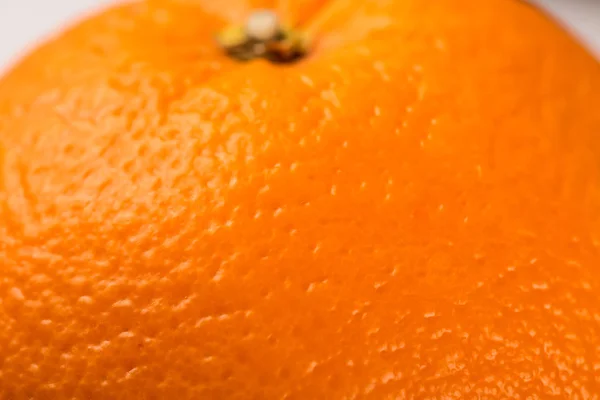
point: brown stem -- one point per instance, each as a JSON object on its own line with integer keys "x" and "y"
{"x": 263, "y": 36}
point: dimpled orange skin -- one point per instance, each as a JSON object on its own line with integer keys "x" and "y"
{"x": 412, "y": 211}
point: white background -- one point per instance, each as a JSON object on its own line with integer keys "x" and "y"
{"x": 24, "y": 22}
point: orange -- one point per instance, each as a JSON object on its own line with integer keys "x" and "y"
{"x": 412, "y": 210}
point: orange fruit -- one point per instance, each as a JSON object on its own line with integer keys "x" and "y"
{"x": 412, "y": 210}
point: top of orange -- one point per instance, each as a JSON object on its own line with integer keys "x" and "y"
{"x": 412, "y": 210}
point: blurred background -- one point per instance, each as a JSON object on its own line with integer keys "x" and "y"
{"x": 22, "y": 22}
